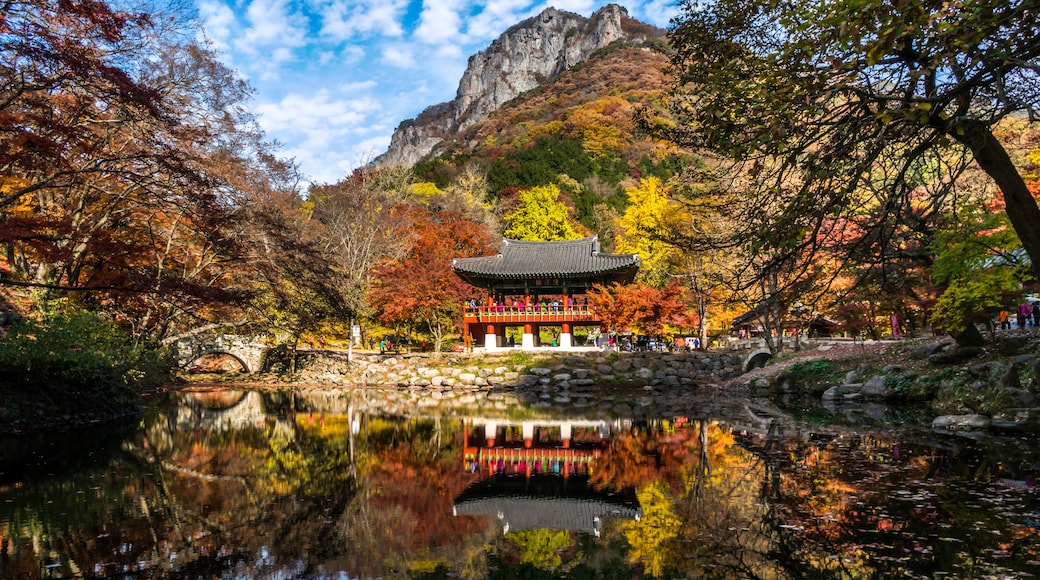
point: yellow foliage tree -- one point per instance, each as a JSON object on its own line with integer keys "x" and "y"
{"x": 604, "y": 125}
{"x": 653, "y": 538}
{"x": 426, "y": 189}
{"x": 541, "y": 217}
{"x": 650, "y": 215}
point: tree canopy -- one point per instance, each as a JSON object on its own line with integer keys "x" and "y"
{"x": 842, "y": 113}
{"x": 540, "y": 216}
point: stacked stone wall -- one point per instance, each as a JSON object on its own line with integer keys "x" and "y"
{"x": 519, "y": 371}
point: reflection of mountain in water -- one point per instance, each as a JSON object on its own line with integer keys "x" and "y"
{"x": 545, "y": 501}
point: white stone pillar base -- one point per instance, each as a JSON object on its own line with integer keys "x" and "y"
{"x": 565, "y": 340}
{"x": 490, "y": 342}
{"x": 527, "y": 341}
{"x": 528, "y": 430}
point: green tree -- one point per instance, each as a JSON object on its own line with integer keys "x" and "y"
{"x": 810, "y": 98}
{"x": 540, "y": 163}
{"x": 540, "y": 216}
{"x": 976, "y": 262}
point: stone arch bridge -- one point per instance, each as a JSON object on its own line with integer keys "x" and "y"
{"x": 247, "y": 350}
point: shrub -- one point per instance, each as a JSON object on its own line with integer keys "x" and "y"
{"x": 80, "y": 352}
{"x": 519, "y": 359}
{"x": 904, "y": 384}
{"x": 810, "y": 370}
{"x": 809, "y": 376}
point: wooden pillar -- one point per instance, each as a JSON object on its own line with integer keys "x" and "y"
{"x": 565, "y": 335}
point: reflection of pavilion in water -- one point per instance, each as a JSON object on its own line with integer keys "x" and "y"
{"x": 535, "y": 474}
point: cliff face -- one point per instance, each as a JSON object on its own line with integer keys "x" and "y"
{"x": 528, "y": 54}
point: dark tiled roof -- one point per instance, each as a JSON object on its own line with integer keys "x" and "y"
{"x": 517, "y": 514}
{"x": 518, "y": 259}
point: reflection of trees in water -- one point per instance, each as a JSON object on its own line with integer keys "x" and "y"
{"x": 276, "y": 491}
{"x": 209, "y": 500}
{"x": 221, "y": 486}
{"x": 409, "y": 479}
{"x": 773, "y": 506}
{"x": 866, "y": 506}
{"x": 710, "y": 518}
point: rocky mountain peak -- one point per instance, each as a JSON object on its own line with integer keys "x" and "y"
{"x": 523, "y": 57}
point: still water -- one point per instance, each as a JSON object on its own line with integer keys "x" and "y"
{"x": 229, "y": 483}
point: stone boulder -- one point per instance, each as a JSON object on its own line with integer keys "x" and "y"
{"x": 962, "y": 422}
{"x": 955, "y": 356}
{"x": 841, "y": 392}
{"x": 1012, "y": 345}
{"x": 876, "y": 389}
{"x": 927, "y": 350}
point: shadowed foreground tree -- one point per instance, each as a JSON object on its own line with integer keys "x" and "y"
{"x": 125, "y": 158}
{"x": 810, "y": 98}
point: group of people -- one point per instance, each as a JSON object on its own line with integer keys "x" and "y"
{"x": 522, "y": 306}
{"x": 1026, "y": 314}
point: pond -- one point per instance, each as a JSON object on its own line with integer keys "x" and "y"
{"x": 362, "y": 483}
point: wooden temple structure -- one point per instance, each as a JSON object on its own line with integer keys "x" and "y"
{"x": 537, "y": 284}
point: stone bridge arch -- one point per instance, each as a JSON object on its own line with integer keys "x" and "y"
{"x": 247, "y": 350}
{"x": 757, "y": 359}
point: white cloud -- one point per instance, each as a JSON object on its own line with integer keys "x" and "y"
{"x": 583, "y": 7}
{"x": 398, "y": 56}
{"x": 356, "y": 86}
{"x": 319, "y": 130}
{"x": 495, "y": 18}
{"x": 346, "y": 19}
{"x": 353, "y": 54}
{"x": 218, "y": 20}
{"x": 439, "y": 21}
{"x": 316, "y": 113}
{"x": 449, "y": 52}
{"x": 271, "y": 23}
{"x": 367, "y": 150}
{"x": 657, "y": 12}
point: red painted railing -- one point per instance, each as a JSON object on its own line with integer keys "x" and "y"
{"x": 534, "y": 313}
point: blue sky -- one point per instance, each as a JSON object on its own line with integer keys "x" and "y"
{"x": 333, "y": 78}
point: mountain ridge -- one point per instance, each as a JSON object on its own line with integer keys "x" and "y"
{"x": 525, "y": 56}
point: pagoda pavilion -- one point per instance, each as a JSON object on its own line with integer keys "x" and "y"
{"x": 537, "y": 284}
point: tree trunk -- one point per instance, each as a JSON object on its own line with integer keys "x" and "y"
{"x": 1019, "y": 204}
{"x": 970, "y": 336}
{"x": 702, "y": 322}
